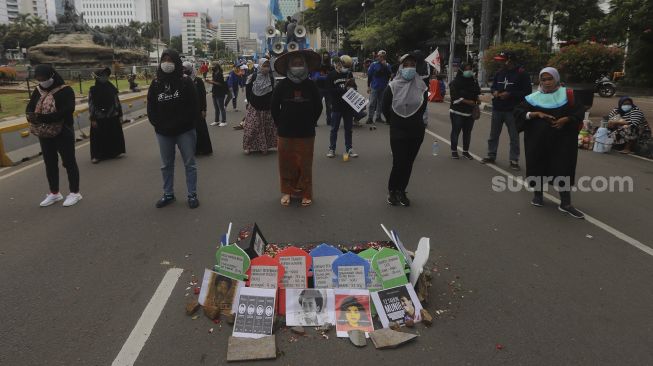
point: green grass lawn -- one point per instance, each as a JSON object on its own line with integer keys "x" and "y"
{"x": 14, "y": 104}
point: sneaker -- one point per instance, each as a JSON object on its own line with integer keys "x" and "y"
{"x": 72, "y": 199}
{"x": 215, "y": 123}
{"x": 331, "y": 154}
{"x": 193, "y": 202}
{"x": 572, "y": 211}
{"x": 379, "y": 120}
{"x": 392, "y": 199}
{"x": 467, "y": 155}
{"x": 514, "y": 165}
{"x": 488, "y": 160}
{"x": 352, "y": 154}
{"x": 454, "y": 155}
{"x": 222, "y": 124}
{"x": 403, "y": 199}
{"x": 369, "y": 121}
{"x": 165, "y": 200}
{"x": 51, "y": 198}
{"x": 537, "y": 201}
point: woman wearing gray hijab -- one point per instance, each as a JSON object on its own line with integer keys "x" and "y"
{"x": 404, "y": 105}
{"x": 260, "y": 133}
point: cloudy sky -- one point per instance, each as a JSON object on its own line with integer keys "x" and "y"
{"x": 257, "y": 12}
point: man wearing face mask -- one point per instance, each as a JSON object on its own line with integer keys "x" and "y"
{"x": 172, "y": 109}
{"x": 509, "y": 88}
{"x": 378, "y": 76}
{"x": 338, "y": 82}
{"x": 107, "y": 138}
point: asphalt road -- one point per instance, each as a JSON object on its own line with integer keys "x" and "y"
{"x": 549, "y": 289}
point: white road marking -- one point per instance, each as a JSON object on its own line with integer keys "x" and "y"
{"x": 77, "y": 147}
{"x": 141, "y": 332}
{"x": 592, "y": 220}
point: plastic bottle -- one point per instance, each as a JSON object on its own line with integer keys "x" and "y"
{"x": 436, "y": 148}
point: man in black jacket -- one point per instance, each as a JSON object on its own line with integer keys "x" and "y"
{"x": 509, "y": 88}
{"x": 172, "y": 108}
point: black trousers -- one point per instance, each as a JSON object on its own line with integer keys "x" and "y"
{"x": 404, "y": 152}
{"x": 458, "y": 123}
{"x": 64, "y": 145}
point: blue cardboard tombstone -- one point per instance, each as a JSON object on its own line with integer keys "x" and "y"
{"x": 351, "y": 271}
{"x": 323, "y": 256}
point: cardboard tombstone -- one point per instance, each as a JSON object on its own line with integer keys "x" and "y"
{"x": 323, "y": 256}
{"x": 352, "y": 271}
{"x": 232, "y": 262}
{"x": 296, "y": 263}
{"x": 255, "y": 312}
{"x": 265, "y": 272}
{"x": 390, "y": 266}
{"x": 254, "y": 244}
{"x": 394, "y": 236}
{"x": 421, "y": 257}
{"x": 374, "y": 281}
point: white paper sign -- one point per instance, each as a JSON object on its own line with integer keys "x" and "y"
{"x": 264, "y": 276}
{"x": 355, "y": 100}
{"x": 351, "y": 277}
{"x": 231, "y": 263}
{"x": 390, "y": 268}
{"x": 322, "y": 272}
{"x": 375, "y": 281}
{"x": 295, "y": 275}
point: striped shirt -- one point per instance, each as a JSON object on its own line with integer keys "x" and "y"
{"x": 634, "y": 117}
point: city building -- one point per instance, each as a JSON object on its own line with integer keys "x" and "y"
{"x": 194, "y": 26}
{"x": 4, "y": 15}
{"x": 160, "y": 14}
{"x": 241, "y": 17}
{"x": 247, "y": 46}
{"x": 9, "y": 9}
{"x": 102, "y": 13}
{"x": 228, "y": 33}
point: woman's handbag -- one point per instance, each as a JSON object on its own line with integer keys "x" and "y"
{"x": 476, "y": 112}
{"x": 45, "y": 105}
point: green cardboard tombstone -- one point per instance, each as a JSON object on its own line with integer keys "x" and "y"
{"x": 390, "y": 266}
{"x": 232, "y": 262}
{"x": 374, "y": 280}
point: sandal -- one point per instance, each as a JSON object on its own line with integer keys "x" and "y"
{"x": 306, "y": 202}
{"x": 285, "y": 200}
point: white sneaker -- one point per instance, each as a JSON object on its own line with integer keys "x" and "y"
{"x": 222, "y": 124}
{"x": 352, "y": 154}
{"x": 215, "y": 123}
{"x": 72, "y": 199}
{"x": 51, "y": 198}
{"x": 331, "y": 154}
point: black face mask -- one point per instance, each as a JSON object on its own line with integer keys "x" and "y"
{"x": 189, "y": 73}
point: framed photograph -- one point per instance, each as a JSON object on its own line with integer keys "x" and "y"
{"x": 310, "y": 307}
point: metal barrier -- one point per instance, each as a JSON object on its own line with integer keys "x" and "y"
{"x": 17, "y": 144}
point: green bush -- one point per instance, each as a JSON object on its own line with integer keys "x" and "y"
{"x": 529, "y": 57}
{"x": 586, "y": 62}
{"x": 7, "y": 74}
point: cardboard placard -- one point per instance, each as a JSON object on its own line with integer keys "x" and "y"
{"x": 351, "y": 271}
{"x": 397, "y": 304}
{"x": 255, "y": 312}
{"x": 355, "y": 100}
{"x": 323, "y": 256}
{"x": 296, "y": 263}
{"x": 390, "y": 265}
{"x": 265, "y": 272}
{"x": 310, "y": 307}
{"x": 374, "y": 283}
{"x": 352, "y": 311}
{"x": 254, "y": 245}
{"x": 232, "y": 262}
{"x": 421, "y": 257}
{"x": 219, "y": 290}
{"x": 394, "y": 236}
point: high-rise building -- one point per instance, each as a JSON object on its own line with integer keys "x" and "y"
{"x": 161, "y": 15}
{"x": 9, "y": 9}
{"x": 241, "y": 17}
{"x": 228, "y": 33}
{"x": 247, "y": 46}
{"x": 4, "y": 16}
{"x": 102, "y": 13}
{"x": 58, "y": 7}
{"x": 194, "y": 26}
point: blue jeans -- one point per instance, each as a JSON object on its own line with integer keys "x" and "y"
{"x": 326, "y": 95}
{"x": 498, "y": 119}
{"x": 375, "y": 109}
{"x": 186, "y": 143}
{"x": 218, "y": 105}
{"x": 348, "y": 118}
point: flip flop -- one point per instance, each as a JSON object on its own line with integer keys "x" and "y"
{"x": 285, "y": 200}
{"x": 306, "y": 202}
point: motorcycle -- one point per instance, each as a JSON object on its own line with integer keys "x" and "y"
{"x": 605, "y": 87}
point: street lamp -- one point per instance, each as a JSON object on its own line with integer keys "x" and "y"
{"x": 452, "y": 44}
{"x": 364, "y": 13}
{"x": 337, "y": 31}
{"x": 500, "y": 19}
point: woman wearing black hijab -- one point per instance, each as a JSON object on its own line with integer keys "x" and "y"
{"x": 464, "y": 97}
{"x": 107, "y": 138}
{"x": 172, "y": 109}
{"x": 51, "y": 108}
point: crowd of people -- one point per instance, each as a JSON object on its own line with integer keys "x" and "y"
{"x": 283, "y": 114}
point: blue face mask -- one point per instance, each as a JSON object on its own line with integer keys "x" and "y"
{"x": 408, "y": 73}
{"x": 626, "y": 108}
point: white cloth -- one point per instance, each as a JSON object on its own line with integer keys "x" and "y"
{"x": 407, "y": 95}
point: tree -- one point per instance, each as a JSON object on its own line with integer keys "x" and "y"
{"x": 216, "y": 45}
{"x": 199, "y": 46}
{"x": 26, "y": 31}
{"x": 175, "y": 43}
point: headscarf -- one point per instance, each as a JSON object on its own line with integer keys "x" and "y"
{"x": 104, "y": 93}
{"x": 297, "y": 79}
{"x": 407, "y": 95}
{"x": 175, "y": 75}
{"x": 188, "y": 66}
{"x": 47, "y": 71}
{"x": 623, "y": 100}
{"x": 461, "y": 83}
{"x": 262, "y": 85}
{"x": 552, "y": 100}
{"x": 553, "y": 72}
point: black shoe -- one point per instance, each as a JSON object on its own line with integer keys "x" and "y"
{"x": 403, "y": 199}
{"x": 393, "y": 200}
{"x": 467, "y": 155}
{"x": 165, "y": 200}
{"x": 538, "y": 200}
{"x": 514, "y": 165}
{"x": 488, "y": 160}
{"x": 454, "y": 155}
{"x": 572, "y": 211}
{"x": 369, "y": 121}
{"x": 379, "y": 120}
{"x": 193, "y": 202}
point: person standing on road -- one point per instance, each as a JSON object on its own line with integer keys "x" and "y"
{"x": 219, "y": 92}
{"x": 629, "y": 124}
{"x": 235, "y": 80}
{"x": 107, "y": 138}
{"x": 320, "y": 79}
{"x": 296, "y": 107}
{"x": 204, "y": 69}
{"x": 404, "y": 103}
{"x": 172, "y": 109}
{"x": 550, "y": 121}
{"x": 260, "y": 133}
{"x": 510, "y": 86}
{"x": 203, "y": 145}
{"x": 378, "y": 76}
{"x": 338, "y": 82}
{"x": 50, "y": 114}
{"x": 464, "y": 97}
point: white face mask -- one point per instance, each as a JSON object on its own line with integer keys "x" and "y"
{"x": 344, "y": 69}
{"x": 46, "y": 84}
{"x": 168, "y": 67}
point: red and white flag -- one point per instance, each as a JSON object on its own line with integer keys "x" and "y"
{"x": 434, "y": 60}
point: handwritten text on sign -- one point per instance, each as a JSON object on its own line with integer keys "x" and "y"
{"x": 390, "y": 268}
{"x": 322, "y": 274}
{"x": 295, "y": 275}
{"x": 355, "y": 100}
{"x": 264, "y": 277}
{"x": 351, "y": 277}
{"x": 231, "y": 263}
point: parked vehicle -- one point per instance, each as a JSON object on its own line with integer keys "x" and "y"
{"x": 605, "y": 87}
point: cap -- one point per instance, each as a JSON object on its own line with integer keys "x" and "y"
{"x": 381, "y": 53}
{"x": 505, "y": 56}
